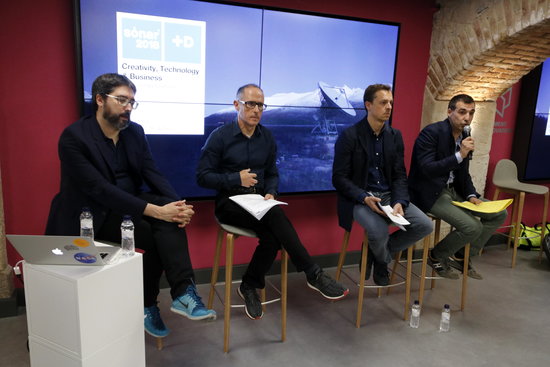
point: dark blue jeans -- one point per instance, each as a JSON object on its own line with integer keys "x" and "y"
{"x": 383, "y": 245}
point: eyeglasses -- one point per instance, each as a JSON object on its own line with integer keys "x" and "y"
{"x": 251, "y": 105}
{"x": 123, "y": 101}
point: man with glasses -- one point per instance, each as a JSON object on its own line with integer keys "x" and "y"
{"x": 439, "y": 175}
{"x": 105, "y": 161}
{"x": 239, "y": 158}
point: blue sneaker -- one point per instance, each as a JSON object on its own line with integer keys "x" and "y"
{"x": 190, "y": 305}
{"x": 153, "y": 323}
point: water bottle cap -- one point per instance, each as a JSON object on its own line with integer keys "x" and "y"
{"x": 86, "y": 209}
{"x": 416, "y": 302}
{"x": 127, "y": 217}
{"x": 447, "y": 306}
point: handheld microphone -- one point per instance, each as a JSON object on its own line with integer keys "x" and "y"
{"x": 467, "y": 133}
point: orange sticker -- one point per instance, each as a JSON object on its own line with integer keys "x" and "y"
{"x": 81, "y": 242}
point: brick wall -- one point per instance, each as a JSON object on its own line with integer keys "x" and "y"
{"x": 483, "y": 47}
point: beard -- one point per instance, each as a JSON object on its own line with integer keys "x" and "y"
{"x": 116, "y": 121}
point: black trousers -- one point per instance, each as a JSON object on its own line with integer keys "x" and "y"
{"x": 274, "y": 231}
{"x": 165, "y": 249}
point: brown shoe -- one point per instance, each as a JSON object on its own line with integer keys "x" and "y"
{"x": 458, "y": 264}
{"x": 442, "y": 268}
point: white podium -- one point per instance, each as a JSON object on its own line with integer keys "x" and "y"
{"x": 86, "y": 316}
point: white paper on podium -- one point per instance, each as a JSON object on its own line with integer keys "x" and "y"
{"x": 256, "y": 204}
{"x": 398, "y": 220}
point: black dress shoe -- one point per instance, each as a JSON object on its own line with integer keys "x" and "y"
{"x": 381, "y": 275}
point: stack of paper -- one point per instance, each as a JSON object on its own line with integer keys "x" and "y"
{"x": 486, "y": 206}
{"x": 398, "y": 220}
{"x": 255, "y": 204}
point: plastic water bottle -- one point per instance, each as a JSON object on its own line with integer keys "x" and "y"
{"x": 445, "y": 323}
{"x": 86, "y": 223}
{"x": 127, "y": 234}
{"x": 415, "y": 315}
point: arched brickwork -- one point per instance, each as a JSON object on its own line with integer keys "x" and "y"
{"x": 483, "y": 47}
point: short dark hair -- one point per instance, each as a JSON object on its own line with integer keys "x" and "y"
{"x": 106, "y": 83}
{"x": 372, "y": 89}
{"x": 460, "y": 97}
{"x": 240, "y": 91}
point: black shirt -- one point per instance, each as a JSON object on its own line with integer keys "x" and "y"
{"x": 119, "y": 162}
{"x": 228, "y": 151}
{"x": 376, "y": 181}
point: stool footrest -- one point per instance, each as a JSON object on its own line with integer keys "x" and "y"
{"x": 354, "y": 280}
{"x": 272, "y": 286}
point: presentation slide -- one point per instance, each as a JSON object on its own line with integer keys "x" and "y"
{"x": 543, "y": 101}
{"x": 537, "y": 167}
{"x": 188, "y": 58}
{"x": 165, "y": 58}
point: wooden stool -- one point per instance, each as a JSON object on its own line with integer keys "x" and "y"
{"x": 231, "y": 233}
{"x": 361, "y": 283}
{"x": 433, "y": 278}
{"x": 506, "y": 180}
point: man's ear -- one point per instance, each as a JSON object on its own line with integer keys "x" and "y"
{"x": 99, "y": 100}
{"x": 236, "y": 104}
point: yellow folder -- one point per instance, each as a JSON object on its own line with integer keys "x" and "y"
{"x": 486, "y": 206}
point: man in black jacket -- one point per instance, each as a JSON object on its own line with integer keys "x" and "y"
{"x": 368, "y": 171}
{"x": 105, "y": 161}
{"x": 440, "y": 174}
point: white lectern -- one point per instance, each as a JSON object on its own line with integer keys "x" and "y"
{"x": 86, "y": 316}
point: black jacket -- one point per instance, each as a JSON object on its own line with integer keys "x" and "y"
{"x": 350, "y": 168}
{"x": 88, "y": 177}
{"x": 433, "y": 159}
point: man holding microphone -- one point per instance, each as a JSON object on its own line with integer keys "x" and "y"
{"x": 439, "y": 175}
